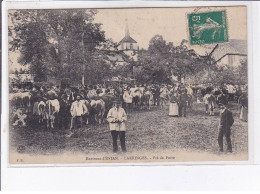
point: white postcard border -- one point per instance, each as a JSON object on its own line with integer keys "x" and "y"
{"x": 62, "y": 5}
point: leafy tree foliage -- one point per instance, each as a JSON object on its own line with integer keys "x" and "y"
{"x": 58, "y": 42}
{"x": 67, "y": 44}
{"x": 232, "y": 75}
{"x": 162, "y": 60}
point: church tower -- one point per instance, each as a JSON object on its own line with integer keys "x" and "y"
{"x": 128, "y": 44}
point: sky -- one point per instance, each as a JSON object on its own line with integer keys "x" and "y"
{"x": 171, "y": 23}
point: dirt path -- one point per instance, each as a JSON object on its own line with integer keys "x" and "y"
{"x": 146, "y": 131}
{"x": 197, "y": 131}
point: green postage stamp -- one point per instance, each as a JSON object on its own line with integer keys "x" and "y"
{"x": 207, "y": 28}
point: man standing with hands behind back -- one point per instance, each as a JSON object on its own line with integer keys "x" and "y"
{"x": 117, "y": 118}
{"x": 226, "y": 121}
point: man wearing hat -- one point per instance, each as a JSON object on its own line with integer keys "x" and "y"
{"x": 183, "y": 100}
{"x": 226, "y": 121}
{"x": 64, "y": 113}
{"x": 117, "y": 118}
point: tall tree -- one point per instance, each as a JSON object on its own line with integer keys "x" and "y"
{"x": 231, "y": 75}
{"x": 152, "y": 62}
{"x": 162, "y": 60}
{"x": 57, "y": 42}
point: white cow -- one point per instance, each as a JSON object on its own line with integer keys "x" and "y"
{"x": 164, "y": 95}
{"x": 52, "y": 108}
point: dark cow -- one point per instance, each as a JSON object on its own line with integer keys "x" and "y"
{"x": 209, "y": 100}
{"x": 222, "y": 99}
{"x": 108, "y": 99}
{"x": 21, "y": 100}
{"x": 137, "y": 98}
{"x": 147, "y": 99}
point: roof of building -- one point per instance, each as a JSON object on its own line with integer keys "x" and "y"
{"x": 234, "y": 47}
{"x": 228, "y": 54}
{"x": 127, "y": 39}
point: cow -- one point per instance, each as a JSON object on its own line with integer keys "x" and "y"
{"x": 164, "y": 95}
{"x": 238, "y": 93}
{"x": 209, "y": 101}
{"x": 92, "y": 93}
{"x": 231, "y": 92}
{"x": 156, "y": 95}
{"x": 42, "y": 111}
{"x": 203, "y": 92}
{"x": 137, "y": 97}
{"x": 222, "y": 99}
{"x": 15, "y": 100}
{"x": 189, "y": 90}
{"x": 21, "y": 100}
{"x": 87, "y": 115}
{"x": 216, "y": 92}
{"x": 147, "y": 99}
{"x": 52, "y": 109}
{"x": 52, "y": 94}
{"x": 108, "y": 99}
{"x": 97, "y": 110}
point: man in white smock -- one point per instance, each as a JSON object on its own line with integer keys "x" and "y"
{"x": 128, "y": 99}
{"x": 117, "y": 118}
{"x": 77, "y": 110}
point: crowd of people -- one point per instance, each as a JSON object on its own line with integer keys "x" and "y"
{"x": 70, "y": 108}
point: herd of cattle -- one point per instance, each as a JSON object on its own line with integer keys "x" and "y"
{"x": 48, "y": 104}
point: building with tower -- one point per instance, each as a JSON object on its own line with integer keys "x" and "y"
{"x": 121, "y": 58}
{"x": 128, "y": 44}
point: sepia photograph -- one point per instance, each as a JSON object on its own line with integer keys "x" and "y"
{"x": 128, "y": 85}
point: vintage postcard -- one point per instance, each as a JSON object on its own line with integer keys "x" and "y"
{"x": 128, "y": 85}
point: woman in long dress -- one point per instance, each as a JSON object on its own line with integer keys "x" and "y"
{"x": 243, "y": 101}
{"x": 174, "y": 107}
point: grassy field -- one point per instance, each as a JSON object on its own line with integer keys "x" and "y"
{"x": 147, "y": 130}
